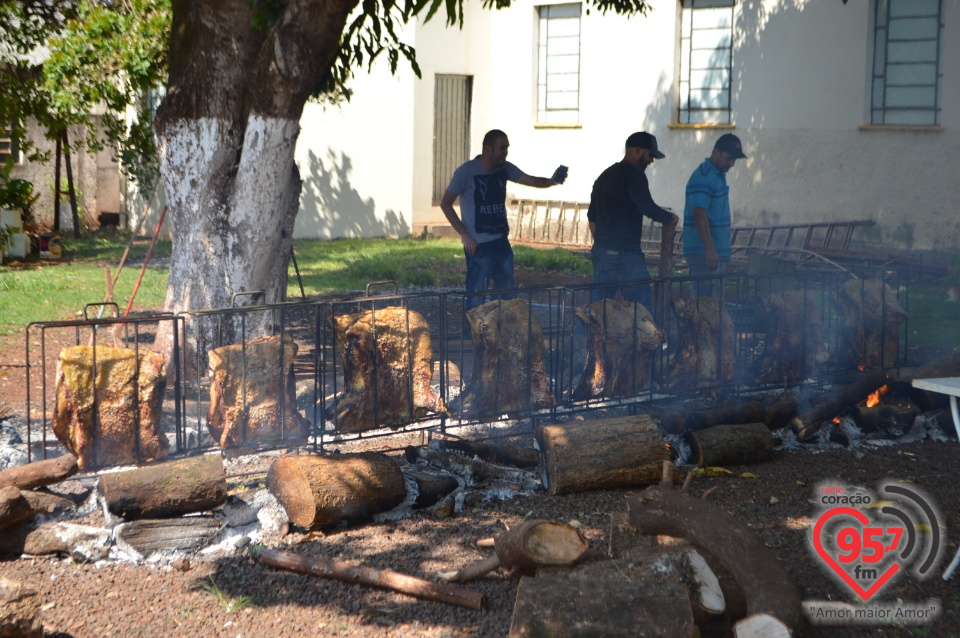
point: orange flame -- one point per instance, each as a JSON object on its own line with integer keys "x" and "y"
{"x": 874, "y": 397}
{"x": 836, "y": 419}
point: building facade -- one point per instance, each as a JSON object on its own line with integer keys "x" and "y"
{"x": 847, "y": 111}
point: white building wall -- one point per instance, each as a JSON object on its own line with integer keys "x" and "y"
{"x": 356, "y": 160}
{"x": 800, "y": 101}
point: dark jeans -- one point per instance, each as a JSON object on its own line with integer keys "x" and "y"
{"x": 494, "y": 261}
{"x": 613, "y": 267}
{"x": 697, "y": 265}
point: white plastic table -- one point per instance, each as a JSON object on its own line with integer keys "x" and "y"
{"x": 949, "y": 386}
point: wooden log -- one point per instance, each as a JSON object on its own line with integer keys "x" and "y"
{"x": 55, "y": 537}
{"x": 600, "y": 454}
{"x": 806, "y": 425}
{"x": 45, "y": 503}
{"x": 40, "y": 473}
{"x": 679, "y": 422}
{"x": 531, "y": 544}
{"x": 895, "y": 420}
{"x": 166, "y": 490}
{"x": 145, "y": 537}
{"x": 14, "y": 508}
{"x": 761, "y": 626}
{"x": 383, "y": 578}
{"x": 318, "y": 491}
{"x": 523, "y": 457}
{"x": 472, "y": 471}
{"x": 567, "y": 608}
{"x": 763, "y": 579}
{"x": 738, "y": 444}
{"x": 778, "y": 414}
{"x": 937, "y": 369}
{"x": 430, "y": 488}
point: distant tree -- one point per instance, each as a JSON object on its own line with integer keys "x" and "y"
{"x": 69, "y": 63}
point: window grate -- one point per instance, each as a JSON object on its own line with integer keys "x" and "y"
{"x": 906, "y": 63}
{"x": 706, "y": 62}
{"x": 8, "y": 143}
{"x": 558, "y": 64}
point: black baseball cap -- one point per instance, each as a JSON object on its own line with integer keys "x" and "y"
{"x": 644, "y": 140}
{"x": 730, "y": 143}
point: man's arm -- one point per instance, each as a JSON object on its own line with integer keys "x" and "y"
{"x": 446, "y": 205}
{"x": 536, "y": 182}
{"x": 703, "y": 230}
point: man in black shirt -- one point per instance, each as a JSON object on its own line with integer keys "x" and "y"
{"x": 619, "y": 201}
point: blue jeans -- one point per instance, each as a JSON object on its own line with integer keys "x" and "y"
{"x": 494, "y": 261}
{"x": 698, "y": 268}
{"x": 611, "y": 267}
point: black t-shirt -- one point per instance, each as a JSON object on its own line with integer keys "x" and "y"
{"x": 619, "y": 201}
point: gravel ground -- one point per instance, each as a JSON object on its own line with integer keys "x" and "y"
{"x": 232, "y": 594}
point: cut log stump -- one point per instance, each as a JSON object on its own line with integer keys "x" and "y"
{"x": 569, "y": 608}
{"x": 318, "y": 491}
{"x": 40, "y": 473}
{"x": 601, "y": 454}
{"x": 529, "y": 545}
{"x": 167, "y": 490}
{"x": 731, "y": 445}
{"x": 145, "y": 537}
{"x": 764, "y": 581}
{"x": 20, "y": 610}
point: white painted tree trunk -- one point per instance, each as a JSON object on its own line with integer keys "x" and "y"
{"x": 232, "y": 219}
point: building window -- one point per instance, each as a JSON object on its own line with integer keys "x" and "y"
{"x": 906, "y": 63}
{"x": 706, "y": 61}
{"x": 8, "y": 145}
{"x": 558, "y": 64}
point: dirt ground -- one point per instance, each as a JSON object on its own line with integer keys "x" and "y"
{"x": 233, "y": 595}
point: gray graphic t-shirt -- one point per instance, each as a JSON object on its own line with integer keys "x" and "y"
{"x": 483, "y": 198}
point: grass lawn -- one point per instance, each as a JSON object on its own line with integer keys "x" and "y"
{"x": 53, "y": 290}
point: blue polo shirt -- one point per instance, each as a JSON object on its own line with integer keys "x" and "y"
{"x": 707, "y": 188}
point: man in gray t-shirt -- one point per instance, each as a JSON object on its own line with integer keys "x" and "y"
{"x": 481, "y": 185}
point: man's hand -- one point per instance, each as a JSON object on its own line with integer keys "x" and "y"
{"x": 469, "y": 244}
{"x": 713, "y": 261}
{"x": 560, "y": 175}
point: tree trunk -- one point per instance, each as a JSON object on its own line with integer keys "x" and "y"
{"x": 679, "y": 422}
{"x": 567, "y": 608}
{"x": 318, "y": 491}
{"x": 39, "y": 473}
{"x": 430, "y": 488}
{"x": 737, "y": 444}
{"x": 384, "y": 578}
{"x": 600, "y": 454}
{"x": 171, "y": 489}
{"x": 227, "y": 131}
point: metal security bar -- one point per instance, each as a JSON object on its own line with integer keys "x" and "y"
{"x": 906, "y": 63}
{"x": 323, "y": 372}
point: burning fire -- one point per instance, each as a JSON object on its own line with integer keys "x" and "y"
{"x": 874, "y": 398}
{"x": 836, "y": 419}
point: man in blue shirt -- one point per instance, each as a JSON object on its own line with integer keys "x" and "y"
{"x": 481, "y": 185}
{"x": 706, "y": 213}
{"x": 618, "y": 204}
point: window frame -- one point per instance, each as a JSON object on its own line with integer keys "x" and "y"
{"x": 9, "y": 141}
{"x": 712, "y": 116}
{"x": 881, "y": 113}
{"x": 546, "y": 115}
